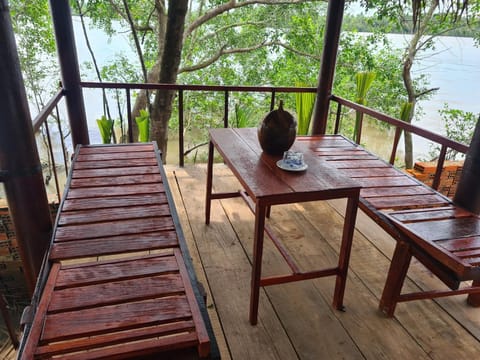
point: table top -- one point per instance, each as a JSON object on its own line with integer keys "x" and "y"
{"x": 263, "y": 179}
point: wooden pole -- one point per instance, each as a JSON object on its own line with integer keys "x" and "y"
{"x": 467, "y": 194}
{"x": 19, "y": 160}
{"x": 67, "y": 56}
{"x": 327, "y": 68}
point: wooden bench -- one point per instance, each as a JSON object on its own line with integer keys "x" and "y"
{"x": 118, "y": 282}
{"x": 425, "y": 224}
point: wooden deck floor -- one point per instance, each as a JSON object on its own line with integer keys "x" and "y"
{"x": 297, "y": 321}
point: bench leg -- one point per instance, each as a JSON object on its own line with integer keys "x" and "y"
{"x": 474, "y": 299}
{"x": 396, "y": 276}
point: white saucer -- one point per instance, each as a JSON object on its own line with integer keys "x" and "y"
{"x": 291, "y": 167}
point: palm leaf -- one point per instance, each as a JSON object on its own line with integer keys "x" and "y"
{"x": 105, "y": 126}
{"x": 304, "y": 105}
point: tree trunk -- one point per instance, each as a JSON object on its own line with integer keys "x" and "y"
{"x": 162, "y": 107}
{"x": 412, "y": 50}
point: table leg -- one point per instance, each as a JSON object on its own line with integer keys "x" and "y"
{"x": 208, "y": 200}
{"x": 260, "y": 213}
{"x": 345, "y": 249}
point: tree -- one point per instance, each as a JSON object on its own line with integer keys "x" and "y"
{"x": 425, "y": 19}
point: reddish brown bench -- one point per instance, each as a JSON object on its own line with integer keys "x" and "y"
{"x": 140, "y": 297}
{"x": 426, "y": 224}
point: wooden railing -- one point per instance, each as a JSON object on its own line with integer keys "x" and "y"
{"x": 342, "y": 106}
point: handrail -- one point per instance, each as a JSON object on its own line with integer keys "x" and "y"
{"x": 47, "y": 110}
{"x": 440, "y": 139}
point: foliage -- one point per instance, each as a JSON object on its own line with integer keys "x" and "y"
{"x": 364, "y": 80}
{"x": 32, "y": 25}
{"x": 406, "y": 111}
{"x": 242, "y": 116}
{"x": 459, "y": 126}
{"x": 143, "y": 122}
{"x": 304, "y": 106}
{"x": 106, "y": 128}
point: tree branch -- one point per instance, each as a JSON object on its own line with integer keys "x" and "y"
{"x": 233, "y": 4}
{"x": 224, "y": 51}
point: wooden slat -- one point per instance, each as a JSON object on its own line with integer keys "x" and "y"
{"x": 119, "y": 171}
{"x": 430, "y": 214}
{"x": 93, "y": 149}
{"x": 408, "y": 201}
{"x": 117, "y": 213}
{"x": 126, "y": 155}
{"x": 114, "y": 292}
{"x": 114, "y": 163}
{"x": 386, "y": 181}
{"x": 355, "y": 164}
{"x": 372, "y": 172}
{"x": 115, "y": 180}
{"x": 119, "y": 317}
{"x": 98, "y": 272}
{"x": 367, "y": 193}
{"x": 114, "y": 201}
{"x": 115, "y": 191}
{"x": 122, "y": 339}
{"x": 113, "y": 228}
{"x": 472, "y": 242}
{"x": 113, "y": 245}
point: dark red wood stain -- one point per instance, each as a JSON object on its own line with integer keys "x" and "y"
{"x": 116, "y": 202}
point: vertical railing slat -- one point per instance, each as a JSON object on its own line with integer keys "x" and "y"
{"x": 438, "y": 172}
{"x": 396, "y": 140}
{"x": 181, "y": 130}
{"x": 129, "y": 116}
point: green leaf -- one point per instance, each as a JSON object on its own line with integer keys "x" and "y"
{"x": 304, "y": 106}
{"x": 143, "y": 123}
{"x": 105, "y": 126}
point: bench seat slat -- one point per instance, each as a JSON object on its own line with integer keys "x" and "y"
{"x": 112, "y": 245}
{"x": 386, "y": 181}
{"x": 460, "y": 244}
{"x": 98, "y": 341}
{"x": 100, "y": 272}
{"x": 386, "y": 191}
{"x": 114, "y": 163}
{"x": 119, "y": 148}
{"x": 118, "y": 213}
{"x": 439, "y": 213}
{"x": 372, "y": 172}
{"x": 114, "y": 318}
{"x": 124, "y": 155}
{"x": 115, "y": 191}
{"x": 115, "y": 180}
{"x": 113, "y": 228}
{"x": 116, "y": 291}
{"x": 408, "y": 201}
{"x": 114, "y": 201}
{"x": 118, "y": 171}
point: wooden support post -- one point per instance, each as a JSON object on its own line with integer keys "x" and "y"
{"x": 19, "y": 159}
{"x": 327, "y": 69}
{"x": 67, "y": 56}
{"x": 468, "y": 191}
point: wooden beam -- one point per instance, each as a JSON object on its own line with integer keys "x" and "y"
{"x": 327, "y": 68}
{"x": 468, "y": 190}
{"x": 20, "y": 167}
{"x": 67, "y": 56}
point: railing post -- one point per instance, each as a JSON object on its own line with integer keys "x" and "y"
{"x": 129, "y": 116}
{"x": 225, "y": 110}
{"x": 181, "y": 144}
{"x": 67, "y": 56}
{"x": 438, "y": 171}
{"x": 337, "y": 118}
{"x": 19, "y": 160}
{"x": 396, "y": 140}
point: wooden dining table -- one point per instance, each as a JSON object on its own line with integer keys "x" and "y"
{"x": 265, "y": 184}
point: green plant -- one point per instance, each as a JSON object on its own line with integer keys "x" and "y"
{"x": 143, "y": 123}
{"x": 304, "y": 103}
{"x": 243, "y": 116}
{"x": 106, "y": 127}
{"x": 364, "y": 80}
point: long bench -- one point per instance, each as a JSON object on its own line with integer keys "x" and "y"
{"x": 425, "y": 224}
{"x": 118, "y": 282}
